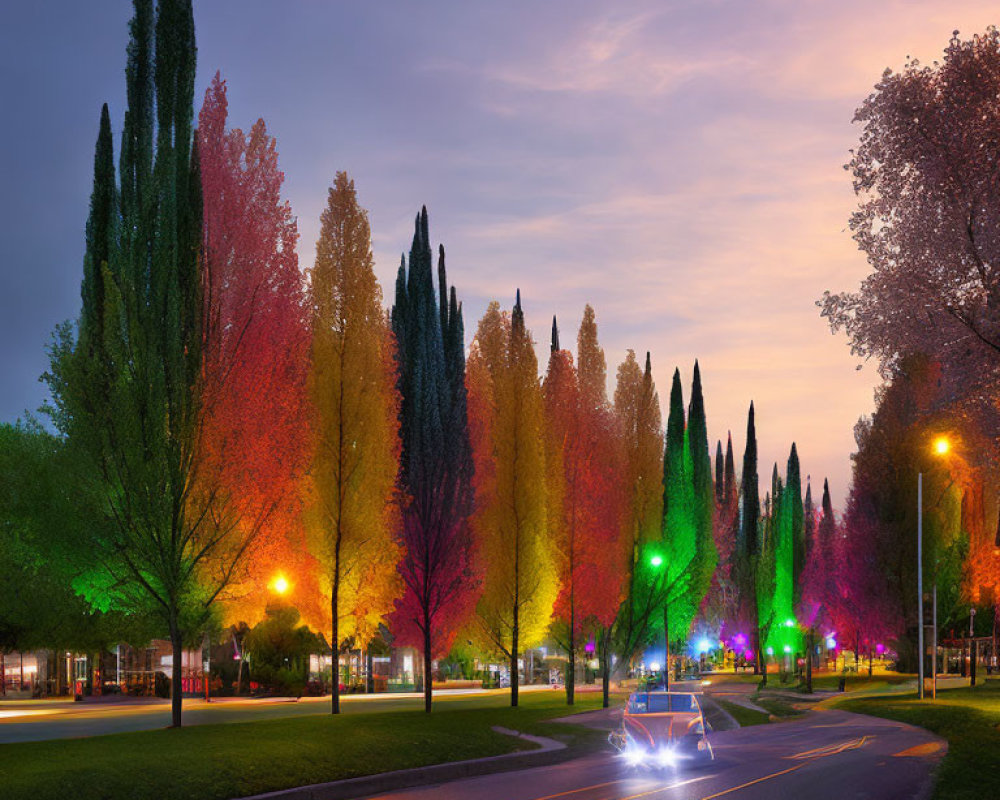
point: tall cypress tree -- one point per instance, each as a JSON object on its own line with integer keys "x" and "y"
{"x": 749, "y": 492}
{"x": 720, "y": 473}
{"x": 748, "y": 544}
{"x": 679, "y": 527}
{"x": 101, "y": 231}
{"x": 703, "y": 511}
{"x": 436, "y": 463}
{"x": 793, "y": 487}
{"x": 133, "y": 413}
{"x": 730, "y": 477}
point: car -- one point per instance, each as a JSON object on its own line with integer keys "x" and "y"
{"x": 662, "y": 730}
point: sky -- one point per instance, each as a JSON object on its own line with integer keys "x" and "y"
{"x": 678, "y": 165}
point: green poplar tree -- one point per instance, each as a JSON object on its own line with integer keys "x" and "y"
{"x": 132, "y": 414}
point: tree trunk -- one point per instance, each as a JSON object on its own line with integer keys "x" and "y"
{"x": 335, "y": 644}
{"x": 177, "y": 645}
{"x": 870, "y": 658}
{"x": 513, "y": 661}
{"x": 3, "y": 674}
{"x": 761, "y": 659}
{"x": 810, "y": 646}
{"x": 571, "y": 671}
{"x": 239, "y": 674}
{"x": 369, "y": 671}
{"x": 666, "y": 647}
{"x": 427, "y": 665}
{"x": 606, "y": 671}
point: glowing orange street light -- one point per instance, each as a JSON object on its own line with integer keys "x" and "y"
{"x": 280, "y": 585}
{"x": 941, "y": 448}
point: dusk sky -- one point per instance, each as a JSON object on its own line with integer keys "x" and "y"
{"x": 677, "y": 165}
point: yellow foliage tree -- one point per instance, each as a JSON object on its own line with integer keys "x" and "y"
{"x": 351, "y": 512}
{"x": 507, "y": 426}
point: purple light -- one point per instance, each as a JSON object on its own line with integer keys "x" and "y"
{"x": 748, "y": 654}
{"x": 880, "y": 648}
{"x": 739, "y": 640}
{"x": 590, "y": 646}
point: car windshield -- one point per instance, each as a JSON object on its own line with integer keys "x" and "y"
{"x": 655, "y": 703}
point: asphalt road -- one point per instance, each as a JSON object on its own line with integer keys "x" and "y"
{"x": 827, "y": 755}
{"x": 36, "y": 720}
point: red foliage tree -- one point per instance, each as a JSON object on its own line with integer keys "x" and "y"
{"x": 255, "y": 350}
{"x": 586, "y": 463}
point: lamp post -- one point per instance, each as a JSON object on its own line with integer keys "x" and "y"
{"x": 941, "y": 448}
{"x": 657, "y": 563}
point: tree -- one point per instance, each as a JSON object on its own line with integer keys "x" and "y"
{"x": 134, "y": 411}
{"x": 254, "y": 406}
{"x": 436, "y": 467}
{"x": 926, "y": 176}
{"x": 637, "y": 407}
{"x": 786, "y": 525}
{"x": 706, "y": 554}
{"x": 748, "y": 544}
{"x": 585, "y": 509}
{"x": 352, "y": 516}
{"x": 688, "y": 508}
{"x": 42, "y": 520}
{"x": 880, "y": 517}
{"x": 519, "y": 580}
{"x": 722, "y": 600}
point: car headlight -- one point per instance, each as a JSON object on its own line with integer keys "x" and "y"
{"x": 634, "y": 755}
{"x": 666, "y": 757}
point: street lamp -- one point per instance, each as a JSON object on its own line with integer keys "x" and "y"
{"x": 657, "y": 562}
{"x": 941, "y": 448}
{"x": 279, "y": 584}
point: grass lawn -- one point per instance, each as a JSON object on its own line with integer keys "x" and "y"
{"x": 967, "y": 718}
{"x": 232, "y": 760}
{"x": 744, "y": 716}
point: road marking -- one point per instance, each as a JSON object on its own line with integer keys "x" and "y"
{"x": 751, "y": 783}
{"x": 831, "y": 749}
{"x": 925, "y": 749}
{"x": 581, "y": 789}
{"x": 667, "y": 788}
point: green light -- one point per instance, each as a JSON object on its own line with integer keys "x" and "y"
{"x": 656, "y": 561}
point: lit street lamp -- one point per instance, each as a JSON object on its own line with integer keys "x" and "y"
{"x": 657, "y": 562}
{"x": 941, "y": 448}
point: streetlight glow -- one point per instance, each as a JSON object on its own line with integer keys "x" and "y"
{"x": 656, "y": 561}
{"x": 941, "y": 445}
{"x": 280, "y": 584}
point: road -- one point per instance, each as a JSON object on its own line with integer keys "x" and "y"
{"x": 827, "y": 755}
{"x": 36, "y": 720}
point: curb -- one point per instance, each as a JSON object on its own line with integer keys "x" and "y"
{"x": 549, "y": 751}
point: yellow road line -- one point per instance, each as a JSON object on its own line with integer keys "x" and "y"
{"x": 667, "y": 788}
{"x": 581, "y": 789}
{"x": 751, "y": 783}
